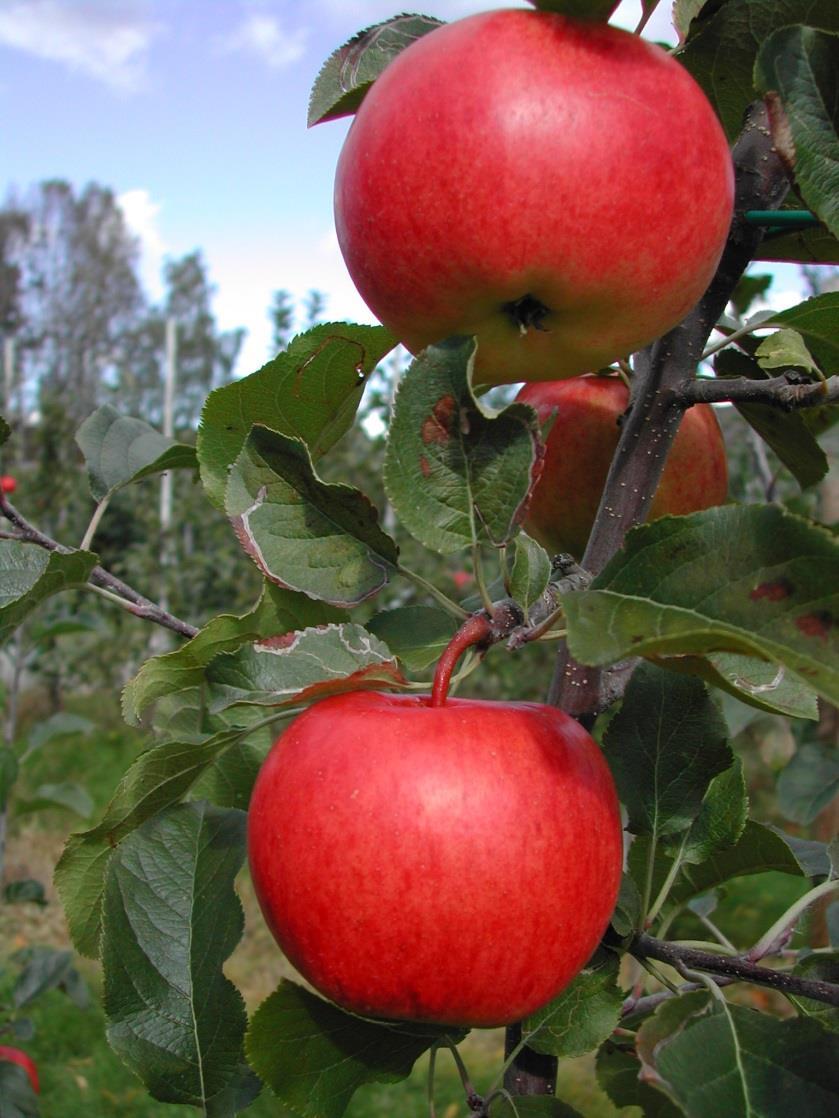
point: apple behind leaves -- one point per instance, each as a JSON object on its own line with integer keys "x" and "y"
{"x": 19, "y": 1057}
{"x": 560, "y": 189}
{"x": 579, "y": 449}
{"x": 7, "y": 484}
{"x": 455, "y": 864}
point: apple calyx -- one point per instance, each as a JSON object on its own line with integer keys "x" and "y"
{"x": 528, "y": 313}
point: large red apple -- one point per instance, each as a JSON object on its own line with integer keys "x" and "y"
{"x": 560, "y": 189}
{"x": 454, "y": 863}
{"x": 580, "y": 447}
{"x": 19, "y": 1057}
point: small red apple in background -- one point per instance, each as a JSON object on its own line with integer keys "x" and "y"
{"x": 7, "y": 484}
{"x": 579, "y": 449}
{"x": 560, "y": 189}
{"x": 19, "y": 1057}
{"x": 455, "y": 863}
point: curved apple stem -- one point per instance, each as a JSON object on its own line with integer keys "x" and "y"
{"x": 476, "y": 630}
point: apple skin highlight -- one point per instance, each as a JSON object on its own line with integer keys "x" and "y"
{"x": 454, "y": 864}
{"x": 520, "y": 155}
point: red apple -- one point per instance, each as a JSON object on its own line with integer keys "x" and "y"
{"x": 580, "y": 447}
{"x": 453, "y": 864}
{"x": 7, "y": 484}
{"x": 560, "y": 189}
{"x": 19, "y": 1057}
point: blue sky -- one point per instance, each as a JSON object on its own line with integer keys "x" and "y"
{"x": 194, "y": 112}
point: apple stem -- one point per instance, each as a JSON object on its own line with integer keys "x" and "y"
{"x": 476, "y": 630}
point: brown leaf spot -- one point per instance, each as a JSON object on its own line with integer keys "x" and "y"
{"x": 425, "y": 466}
{"x": 285, "y": 640}
{"x": 437, "y": 428}
{"x": 816, "y": 625}
{"x": 772, "y": 591}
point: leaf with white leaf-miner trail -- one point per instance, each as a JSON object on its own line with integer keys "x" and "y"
{"x": 455, "y": 473}
{"x": 301, "y": 667}
{"x": 754, "y": 580}
{"x": 798, "y": 69}
{"x": 29, "y": 575}
{"x": 348, "y": 73}
{"x": 303, "y": 533}
{"x": 277, "y": 612}
{"x": 314, "y": 1056}
{"x": 171, "y": 919}
{"x": 119, "y": 449}
{"x": 310, "y": 391}
{"x": 582, "y": 1016}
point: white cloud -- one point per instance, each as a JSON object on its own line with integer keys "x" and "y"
{"x": 105, "y": 41}
{"x": 141, "y": 216}
{"x": 264, "y": 37}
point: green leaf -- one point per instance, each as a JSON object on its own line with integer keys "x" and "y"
{"x": 809, "y": 782}
{"x": 277, "y": 612}
{"x": 618, "y": 1074}
{"x": 303, "y": 533}
{"x": 787, "y": 433}
{"x": 583, "y": 1015}
{"x": 811, "y": 245}
{"x": 721, "y": 47}
{"x": 800, "y": 67}
{"x": 60, "y": 725}
{"x": 812, "y": 856}
{"x": 45, "y": 968}
{"x": 25, "y": 891}
{"x": 29, "y": 575}
{"x": 785, "y": 349}
{"x": 67, "y": 794}
{"x": 722, "y": 816}
{"x": 749, "y": 287}
{"x": 308, "y": 665}
{"x": 759, "y": 684}
{"x": 417, "y": 635}
{"x": 157, "y": 779}
{"x": 171, "y": 919}
{"x": 349, "y": 72}
{"x": 822, "y": 968}
{"x": 314, "y": 1056}
{"x": 664, "y": 746}
{"x": 531, "y": 571}
{"x": 309, "y": 391}
{"x": 751, "y": 1063}
{"x": 755, "y": 580}
{"x": 627, "y": 912}
{"x": 455, "y": 473}
{"x": 119, "y": 449}
{"x": 817, "y": 320}
{"x": 17, "y": 1099}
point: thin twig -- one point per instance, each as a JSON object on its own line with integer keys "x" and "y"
{"x": 781, "y": 392}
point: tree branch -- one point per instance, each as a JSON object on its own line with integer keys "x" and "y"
{"x": 646, "y": 947}
{"x": 782, "y": 392}
{"x": 134, "y": 602}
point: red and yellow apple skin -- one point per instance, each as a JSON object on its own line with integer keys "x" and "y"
{"x": 454, "y": 864}
{"x": 520, "y": 153}
{"x": 19, "y": 1057}
{"x": 579, "y": 449}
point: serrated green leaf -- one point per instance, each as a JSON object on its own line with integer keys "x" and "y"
{"x": 817, "y": 321}
{"x": 664, "y": 746}
{"x": 721, "y": 48}
{"x": 754, "y": 682}
{"x": 809, "y": 782}
{"x": 751, "y": 1063}
{"x": 721, "y": 819}
{"x": 531, "y": 571}
{"x": 417, "y": 635}
{"x": 303, "y": 533}
{"x": 119, "y": 449}
{"x": 787, "y": 433}
{"x": 455, "y": 473}
{"x": 171, "y": 919}
{"x": 618, "y": 1074}
{"x": 754, "y": 580}
{"x": 310, "y": 391}
{"x": 800, "y": 65}
{"x": 314, "y": 1056}
{"x": 822, "y": 968}
{"x": 29, "y": 575}
{"x": 277, "y": 612}
{"x": 157, "y": 779}
{"x": 585, "y": 1013}
{"x": 349, "y": 72}
{"x": 309, "y": 664}
{"x": 785, "y": 349}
